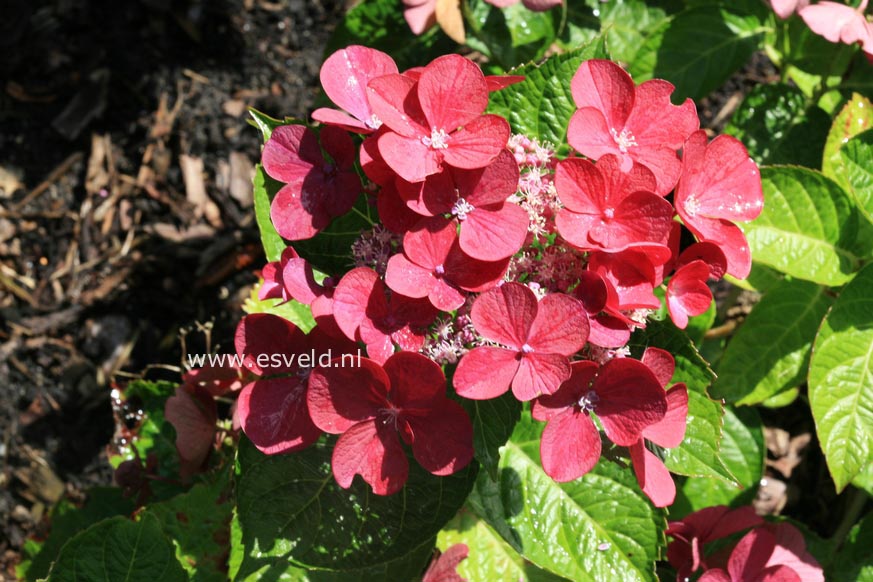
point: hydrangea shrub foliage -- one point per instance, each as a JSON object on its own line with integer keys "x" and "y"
{"x": 485, "y": 322}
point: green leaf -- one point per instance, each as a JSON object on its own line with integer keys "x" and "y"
{"x": 770, "y": 352}
{"x": 67, "y": 520}
{"x": 490, "y": 559}
{"x": 295, "y": 312}
{"x": 493, "y": 421}
{"x": 154, "y": 435}
{"x": 808, "y": 228}
{"x": 698, "y": 50}
{"x": 841, "y": 381}
{"x": 854, "y": 561}
{"x": 119, "y": 549}
{"x": 742, "y": 445}
{"x": 541, "y": 105}
{"x": 698, "y": 455}
{"x": 864, "y": 479}
{"x": 198, "y": 523}
{"x": 856, "y": 163}
{"x": 775, "y": 125}
{"x": 626, "y": 24}
{"x": 586, "y": 530}
{"x": 510, "y": 35}
{"x": 265, "y": 123}
{"x": 855, "y": 117}
{"x": 742, "y": 449}
{"x": 265, "y": 189}
{"x": 379, "y": 24}
{"x": 698, "y": 325}
{"x": 811, "y": 60}
{"x": 291, "y": 509}
{"x": 782, "y": 399}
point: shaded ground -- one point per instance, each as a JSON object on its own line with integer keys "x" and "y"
{"x": 125, "y": 207}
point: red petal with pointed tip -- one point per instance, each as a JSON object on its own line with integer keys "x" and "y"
{"x": 670, "y": 431}
{"x": 407, "y": 278}
{"x": 485, "y": 372}
{"x": 274, "y": 415}
{"x": 393, "y": 212}
{"x": 409, "y": 157}
{"x": 505, "y": 314}
{"x": 661, "y": 363}
{"x": 541, "y": 5}
{"x": 498, "y": 82}
{"x": 434, "y": 196}
{"x": 722, "y": 179}
{"x": 429, "y": 243}
{"x": 751, "y": 554}
{"x": 710, "y": 254}
{"x": 359, "y": 296}
{"x": 570, "y": 446}
{"x": 641, "y": 217}
{"x": 608, "y": 331}
{"x": 372, "y": 164}
{"x": 606, "y": 87}
{"x": 373, "y": 451}
{"x": 444, "y": 567}
{"x": 560, "y": 326}
{"x": 687, "y": 293}
{"x": 539, "y": 374}
{"x": 339, "y": 119}
{"x": 416, "y": 381}
{"x": 340, "y": 397}
{"x": 589, "y": 132}
{"x": 631, "y": 399}
{"x": 298, "y": 214}
{"x": 264, "y": 334}
{"x": 490, "y": 185}
{"x": 452, "y": 92}
{"x": 652, "y": 475}
{"x": 579, "y": 184}
{"x": 193, "y": 413}
{"x": 836, "y": 22}
{"x": 346, "y": 73}
{"x": 299, "y": 280}
{"x": 272, "y": 287}
{"x": 471, "y": 274}
{"x": 791, "y": 551}
{"x": 443, "y": 438}
{"x": 591, "y": 291}
{"x": 290, "y": 153}
{"x": 339, "y": 146}
{"x": 631, "y": 275}
{"x": 380, "y": 348}
{"x": 656, "y": 122}
{"x": 492, "y": 233}
{"x": 582, "y": 374}
{"x": 715, "y": 575}
{"x": 477, "y": 143}
{"x": 394, "y": 101}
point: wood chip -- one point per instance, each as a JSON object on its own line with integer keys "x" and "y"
{"x": 234, "y": 107}
{"x": 173, "y": 233}
{"x": 98, "y": 175}
{"x": 242, "y": 172}
{"x": 195, "y": 190}
{"x": 451, "y": 19}
{"x": 10, "y": 182}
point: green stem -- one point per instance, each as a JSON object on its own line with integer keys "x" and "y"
{"x": 857, "y": 500}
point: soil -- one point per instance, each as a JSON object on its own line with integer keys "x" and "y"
{"x": 125, "y": 208}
